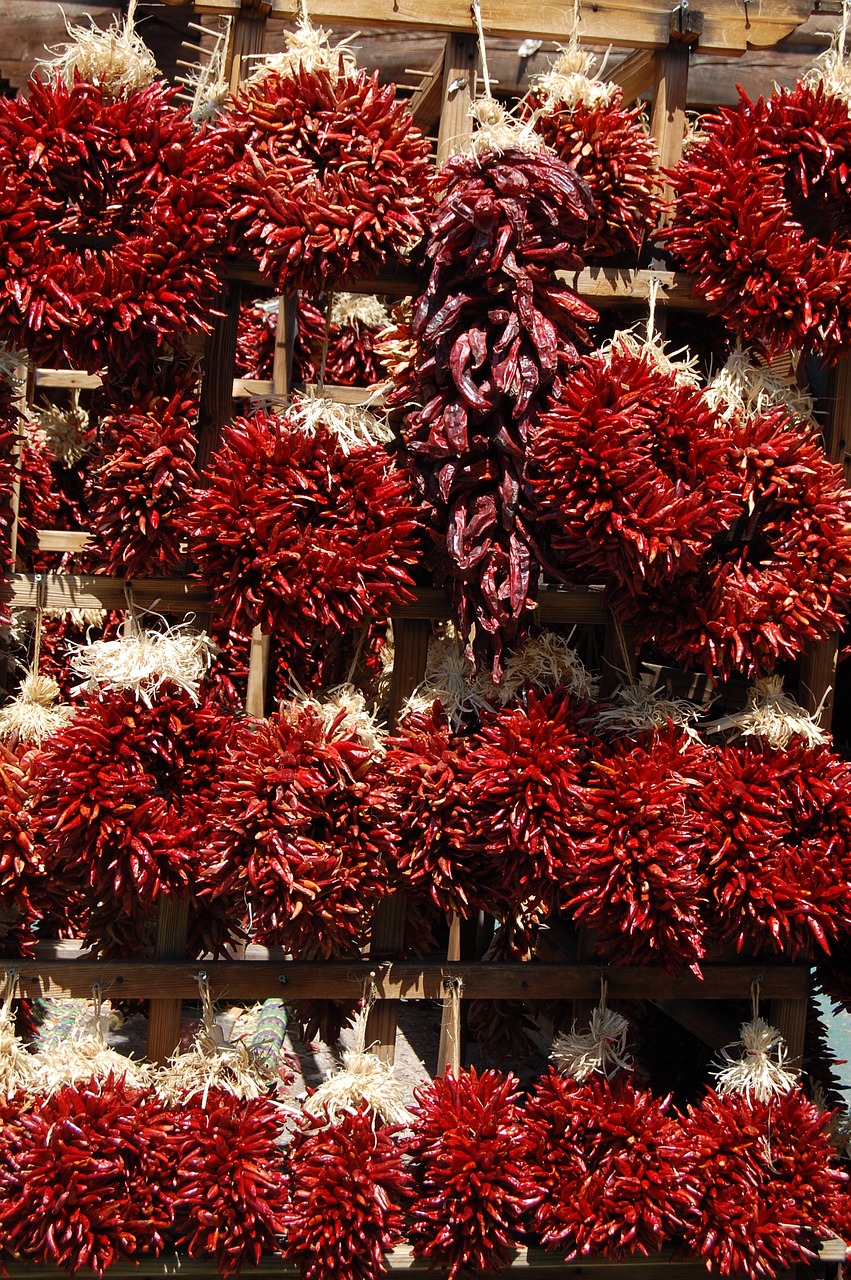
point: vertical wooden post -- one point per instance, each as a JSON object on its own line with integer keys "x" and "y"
{"x": 410, "y": 641}
{"x": 164, "y": 1016}
{"x": 459, "y": 87}
{"x": 247, "y": 38}
{"x": 216, "y": 405}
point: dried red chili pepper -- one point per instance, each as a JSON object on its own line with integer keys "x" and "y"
{"x": 631, "y": 468}
{"x": 21, "y": 865}
{"x": 139, "y": 489}
{"x": 615, "y": 1171}
{"x": 229, "y": 1185}
{"x": 760, "y": 218}
{"x": 637, "y": 870}
{"x": 348, "y": 1187}
{"x": 109, "y": 222}
{"x": 609, "y": 147}
{"x": 778, "y": 857}
{"x": 779, "y": 580}
{"x": 299, "y": 536}
{"x": 494, "y": 334}
{"x": 85, "y": 1178}
{"x": 768, "y": 1183}
{"x": 515, "y": 785}
{"x": 298, "y": 833}
{"x": 121, "y": 800}
{"x": 328, "y": 175}
{"x": 468, "y": 1148}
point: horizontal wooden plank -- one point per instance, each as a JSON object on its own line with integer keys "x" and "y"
{"x": 71, "y": 379}
{"x": 62, "y": 540}
{"x": 728, "y": 26}
{"x": 88, "y": 591}
{"x": 582, "y": 604}
{"x": 247, "y": 387}
{"x": 395, "y": 980}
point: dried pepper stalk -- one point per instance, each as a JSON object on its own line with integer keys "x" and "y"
{"x": 139, "y": 489}
{"x": 779, "y": 580}
{"x": 769, "y": 1184}
{"x": 300, "y": 536}
{"x": 631, "y": 468}
{"x": 637, "y": 870}
{"x": 494, "y": 333}
{"x": 614, "y": 1169}
{"x": 779, "y": 836}
{"x": 761, "y": 218}
{"x": 348, "y": 1187}
{"x": 122, "y": 798}
{"x": 468, "y": 1146}
{"x": 328, "y": 172}
{"x": 85, "y": 1177}
{"x": 516, "y": 781}
{"x": 299, "y": 836}
{"x": 108, "y": 222}
{"x": 583, "y": 120}
{"x": 229, "y": 1186}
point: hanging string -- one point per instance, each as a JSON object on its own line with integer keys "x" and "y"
{"x": 303, "y": 15}
{"x": 843, "y": 28}
{"x": 652, "y": 295}
{"x": 476, "y": 9}
{"x": 41, "y": 593}
{"x": 626, "y": 657}
{"x": 756, "y": 987}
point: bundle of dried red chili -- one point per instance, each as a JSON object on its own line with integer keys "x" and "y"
{"x": 85, "y": 1176}
{"x": 778, "y": 853}
{"x": 21, "y": 865}
{"x": 9, "y": 436}
{"x": 109, "y": 221}
{"x": 615, "y": 1170}
{"x": 298, "y": 535}
{"x": 637, "y": 866}
{"x": 139, "y": 489}
{"x": 422, "y": 772}
{"x": 328, "y": 176}
{"x": 348, "y": 1187}
{"x": 121, "y": 800}
{"x": 494, "y": 334}
{"x": 229, "y": 1184}
{"x": 609, "y": 147}
{"x": 516, "y": 780}
{"x": 298, "y": 835}
{"x": 468, "y": 1148}
{"x": 779, "y": 580}
{"x": 631, "y": 468}
{"x": 769, "y": 1185}
{"x": 761, "y": 218}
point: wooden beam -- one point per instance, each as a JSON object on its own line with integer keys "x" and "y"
{"x": 400, "y": 979}
{"x": 164, "y": 1013}
{"x": 62, "y": 540}
{"x": 635, "y": 74}
{"x": 668, "y": 117}
{"x": 579, "y": 604}
{"x": 729, "y": 26}
{"x": 87, "y": 591}
{"x": 426, "y": 101}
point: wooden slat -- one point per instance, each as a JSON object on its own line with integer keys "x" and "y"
{"x": 729, "y": 26}
{"x": 71, "y": 379}
{"x": 582, "y": 604}
{"x": 426, "y": 101}
{"x": 374, "y": 396}
{"x": 668, "y": 117}
{"x": 635, "y": 74}
{"x": 400, "y": 979}
{"x": 62, "y": 540}
{"x": 87, "y": 591}
{"x": 258, "y": 673}
{"x": 216, "y": 404}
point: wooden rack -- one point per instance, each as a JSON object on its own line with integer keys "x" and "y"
{"x": 662, "y": 40}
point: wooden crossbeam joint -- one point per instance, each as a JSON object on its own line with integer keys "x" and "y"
{"x": 686, "y": 24}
